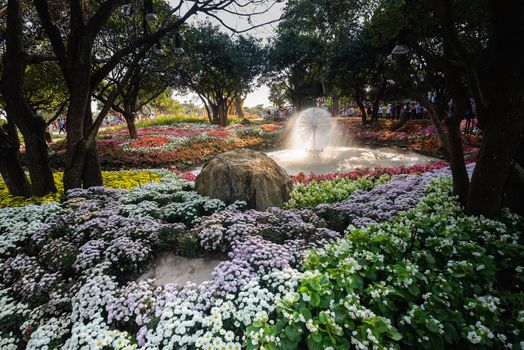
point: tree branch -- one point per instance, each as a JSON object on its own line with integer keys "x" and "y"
{"x": 42, "y": 7}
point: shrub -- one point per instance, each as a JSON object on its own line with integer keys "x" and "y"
{"x": 329, "y": 191}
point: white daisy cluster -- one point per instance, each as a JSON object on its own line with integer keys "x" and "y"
{"x": 18, "y": 223}
{"x": 51, "y": 330}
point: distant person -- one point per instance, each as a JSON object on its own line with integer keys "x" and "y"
{"x": 397, "y": 110}
{"x": 389, "y": 111}
{"x": 379, "y": 111}
{"x": 351, "y": 111}
{"x": 61, "y": 126}
{"x": 418, "y": 111}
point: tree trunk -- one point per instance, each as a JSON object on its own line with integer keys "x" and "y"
{"x": 502, "y": 115}
{"x": 336, "y": 105}
{"x": 17, "y": 107}
{"x": 92, "y": 174}
{"x": 362, "y": 110}
{"x": 76, "y": 143}
{"x": 131, "y": 126}
{"x": 378, "y": 98}
{"x": 456, "y": 151}
{"x": 500, "y": 141}
{"x": 222, "y": 110}
{"x": 42, "y": 181}
{"x": 238, "y": 107}
{"x": 457, "y": 164}
{"x": 10, "y": 167}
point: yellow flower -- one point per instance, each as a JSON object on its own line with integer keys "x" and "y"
{"x": 112, "y": 179}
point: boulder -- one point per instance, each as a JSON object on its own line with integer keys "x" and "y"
{"x": 245, "y": 175}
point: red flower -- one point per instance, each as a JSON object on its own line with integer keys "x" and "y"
{"x": 150, "y": 141}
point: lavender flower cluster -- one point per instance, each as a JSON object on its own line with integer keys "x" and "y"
{"x": 222, "y": 230}
{"x": 80, "y": 255}
{"x": 382, "y": 203}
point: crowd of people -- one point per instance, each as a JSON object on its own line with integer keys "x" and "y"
{"x": 393, "y": 110}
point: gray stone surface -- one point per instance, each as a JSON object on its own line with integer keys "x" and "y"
{"x": 245, "y": 175}
{"x": 174, "y": 269}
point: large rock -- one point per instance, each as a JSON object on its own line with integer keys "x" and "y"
{"x": 245, "y": 175}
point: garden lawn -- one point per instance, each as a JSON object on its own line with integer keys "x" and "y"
{"x": 395, "y": 265}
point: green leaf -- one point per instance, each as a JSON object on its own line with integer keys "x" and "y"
{"x": 291, "y": 333}
{"x": 315, "y": 300}
{"x": 306, "y": 313}
{"x": 395, "y": 335}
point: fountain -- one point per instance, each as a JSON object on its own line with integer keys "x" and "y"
{"x": 314, "y": 126}
{"x": 315, "y": 145}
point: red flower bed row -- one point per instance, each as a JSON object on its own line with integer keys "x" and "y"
{"x": 150, "y": 141}
{"x": 372, "y": 172}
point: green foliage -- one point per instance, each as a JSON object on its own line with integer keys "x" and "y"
{"x": 166, "y": 104}
{"x": 329, "y": 191}
{"x": 216, "y": 66}
{"x": 431, "y": 279}
{"x": 44, "y": 86}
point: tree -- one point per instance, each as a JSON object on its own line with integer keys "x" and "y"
{"x": 10, "y": 167}
{"x": 146, "y": 84}
{"x": 292, "y": 71}
{"x": 309, "y": 42}
{"x": 19, "y": 111}
{"x": 470, "y": 46}
{"x": 166, "y": 104}
{"x": 73, "y": 41}
{"x": 217, "y": 67}
{"x": 357, "y": 65}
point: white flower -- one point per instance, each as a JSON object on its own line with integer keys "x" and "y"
{"x": 473, "y": 337}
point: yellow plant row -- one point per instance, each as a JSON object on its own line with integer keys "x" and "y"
{"x": 112, "y": 179}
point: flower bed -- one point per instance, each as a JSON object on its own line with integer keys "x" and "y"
{"x": 432, "y": 278}
{"x": 120, "y": 179}
{"x": 329, "y": 191}
{"x": 373, "y": 173}
{"x": 418, "y": 135}
{"x": 179, "y": 145}
{"x": 68, "y": 271}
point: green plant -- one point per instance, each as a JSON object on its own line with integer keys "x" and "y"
{"x": 329, "y": 191}
{"x": 431, "y": 279}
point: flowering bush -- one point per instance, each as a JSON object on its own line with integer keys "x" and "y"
{"x": 431, "y": 279}
{"x": 382, "y": 203}
{"x": 329, "y": 191}
{"x": 148, "y": 142}
{"x": 68, "y": 270}
{"x": 221, "y": 231}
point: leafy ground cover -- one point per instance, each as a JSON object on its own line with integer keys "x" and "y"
{"x": 179, "y": 145}
{"x": 417, "y": 135}
{"x": 401, "y": 277}
{"x": 432, "y": 278}
{"x": 120, "y": 179}
{"x": 329, "y": 191}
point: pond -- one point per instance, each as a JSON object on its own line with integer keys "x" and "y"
{"x": 342, "y": 159}
{"x": 345, "y": 158}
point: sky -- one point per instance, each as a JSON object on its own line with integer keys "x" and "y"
{"x": 261, "y": 93}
